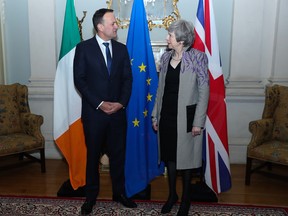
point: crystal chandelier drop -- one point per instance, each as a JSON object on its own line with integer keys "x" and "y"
{"x": 125, "y": 1}
{"x": 145, "y": 2}
{"x": 149, "y": 1}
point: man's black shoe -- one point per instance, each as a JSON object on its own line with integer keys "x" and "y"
{"x": 87, "y": 207}
{"x": 125, "y": 201}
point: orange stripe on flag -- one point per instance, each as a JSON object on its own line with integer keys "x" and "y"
{"x": 72, "y": 145}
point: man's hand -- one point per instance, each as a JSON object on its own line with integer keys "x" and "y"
{"x": 110, "y": 107}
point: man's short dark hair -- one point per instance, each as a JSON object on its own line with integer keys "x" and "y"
{"x": 98, "y": 16}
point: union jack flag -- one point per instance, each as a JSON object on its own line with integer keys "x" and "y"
{"x": 215, "y": 146}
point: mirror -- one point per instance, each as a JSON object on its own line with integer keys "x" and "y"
{"x": 160, "y": 13}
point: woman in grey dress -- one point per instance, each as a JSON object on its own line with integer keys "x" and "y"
{"x": 180, "y": 110}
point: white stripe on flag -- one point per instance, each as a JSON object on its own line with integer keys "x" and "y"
{"x": 216, "y": 139}
{"x": 219, "y": 148}
{"x": 67, "y": 101}
{"x": 200, "y": 30}
{"x": 207, "y": 173}
{"x": 214, "y": 66}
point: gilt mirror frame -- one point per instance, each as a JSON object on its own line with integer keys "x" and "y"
{"x": 160, "y": 14}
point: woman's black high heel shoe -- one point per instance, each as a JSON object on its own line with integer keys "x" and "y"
{"x": 169, "y": 204}
{"x": 184, "y": 208}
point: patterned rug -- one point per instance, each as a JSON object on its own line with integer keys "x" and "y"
{"x": 16, "y": 206}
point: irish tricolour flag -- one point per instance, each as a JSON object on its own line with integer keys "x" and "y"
{"x": 68, "y": 129}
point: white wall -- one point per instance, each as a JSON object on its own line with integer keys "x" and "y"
{"x": 279, "y": 72}
{"x": 16, "y": 34}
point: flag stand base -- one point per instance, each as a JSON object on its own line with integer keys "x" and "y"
{"x": 200, "y": 192}
{"x": 143, "y": 195}
{"x": 66, "y": 190}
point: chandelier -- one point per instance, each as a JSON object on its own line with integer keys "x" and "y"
{"x": 160, "y": 13}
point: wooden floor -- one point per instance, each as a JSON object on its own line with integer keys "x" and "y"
{"x": 28, "y": 180}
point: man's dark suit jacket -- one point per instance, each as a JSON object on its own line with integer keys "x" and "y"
{"x": 92, "y": 79}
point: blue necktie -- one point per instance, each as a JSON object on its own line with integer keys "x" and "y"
{"x": 108, "y": 57}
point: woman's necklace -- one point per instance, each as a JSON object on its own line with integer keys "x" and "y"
{"x": 176, "y": 59}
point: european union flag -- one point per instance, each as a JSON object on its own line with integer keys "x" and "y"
{"x": 142, "y": 149}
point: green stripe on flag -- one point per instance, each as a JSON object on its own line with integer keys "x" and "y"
{"x": 70, "y": 35}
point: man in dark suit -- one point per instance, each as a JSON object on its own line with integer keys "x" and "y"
{"x": 103, "y": 76}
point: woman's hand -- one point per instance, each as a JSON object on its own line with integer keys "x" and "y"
{"x": 155, "y": 126}
{"x": 196, "y": 131}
